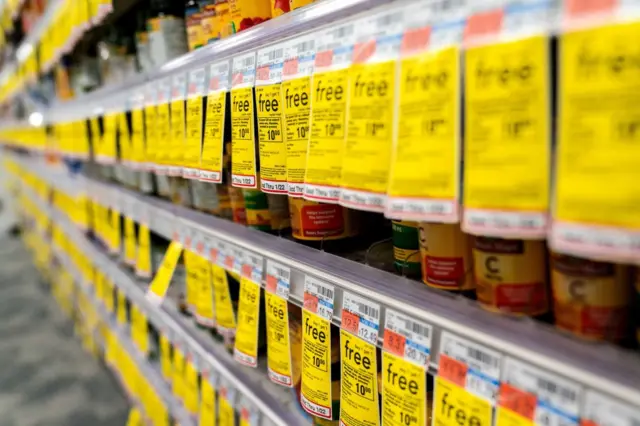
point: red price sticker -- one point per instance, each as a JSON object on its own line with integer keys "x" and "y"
{"x": 415, "y": 40}
{"x": 578, "y": 8}
{"x": 452, "y": 370}
{"x": 262, "y": 74}
{"x": 484, "y": 24}
{"x": 246, "y": 270}
{"x": 272, "y": 283}
{"x": 394, "y": 343}
{"x": 363, "y": 51}
{"x": 311, "y": 302}
{"x": 324, "y": 59}
{"x": 200, "y": 248}
{"x": 350, "y": 322}
{"x": 518, "y": 401}
{"x": 290, "y": 67}
{"x": 228, "y": 262}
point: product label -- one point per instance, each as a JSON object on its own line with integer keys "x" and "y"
{"x": 160, "y": 284}
{"x": 195, "y": 91}
{"x": 243, "y": 157}
{"x": 279, "y": 352}
{"x": 531, "y": 396}
{"x": 214, "y": 127}
{"x": 163, "y": 121}
{"x": 178, "y": 124}
{"x": 595, "y": 212}
{"x": 407, "y": 338}
{"x": 225, "y": 317}
{"x": 246, "y": 349}
{"x": 129, "y": 241}
{"x": 205, "y": 310}
{"x": 316, "y": 395}
{"x": 600, "y": 410}
{"x": 297, "y": 107}
{"x": 208, "y": 406}
{"x": 404, "y": 393}
{"x": 273, "y": 154}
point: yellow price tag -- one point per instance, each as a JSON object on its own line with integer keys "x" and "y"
{"x": 316, "y": 391}
{"x": 135, "y": 418}
{"x": 114, "y": 231}
{"x": 160, "y": 284}
{"x": 122, "y": 315}
{"x": 225, "y": 317}
{"x": 226, "y": 413}
{"x": 143, "y": 254}
{"x": 453, "y": 403}
{"x": 273, "y": 152}
{"x": 212, "y": 145}
{"x": 404, "y": 392}
{"x": 192, "y": 389}
{"x": 165, "y": 358}
{"x": 108, "y": 143}
{"x": 178, "y": 133}
{"x": 296, "y": 98}
{"x": 178, "y": 380}
{"x": 205, "y": 313}
{"x": 192, "y": 272}
{"x": 151, "y": 133}
{"x": 108, "y": 289}
{"x": 208, "y": 404}
{"x": 129, "y": 241}
{"x": 243, "y": 151}
{"x": 194, "y": 135}
{"x": 246, "y": 345}
{"x": 278, "y": 348}
{"x": 125, "y": 138}
{"x": 137, "y": 136}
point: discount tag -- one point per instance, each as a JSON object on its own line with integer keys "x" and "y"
{"x": 246, "y": 345}
{"x": 361, "y": 317}
{"x": 208, "y": 404}
{"x": 225, "y": 315}
{"x": 318, "y": 297}
{"x": 249, "y": 413}
{"x": 226, "y": 403}
{"x": 278, "y": 279}
{"x": 407, "y": 338}
{"x": 252, "y": 267}
{"x": 194, "y": 114}
{"x": 243, "y": 150}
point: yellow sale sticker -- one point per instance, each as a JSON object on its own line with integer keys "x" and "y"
{"x": 163, "y": 141}
{"x": 178, "y": 377}
{"x": 121, "y": 314}
{"x": 315, "y": 394}
{"x": 278, "y": 348}
{"x": 194, "y": 136}
{"x": 296, "y": 97}
{"x": 124, "y": 139}
{"x": 178, "y": 133}
{"x": 192, "y": 277}
{"x": 135, "y": 418}
{"x": 212, "y": 145}
{"x": 243, "y": 144}
{"x": 137, "y": 136}
{"x": 359, "y": 382}
{"x": 108, "y": 146}
{"x": 192, "y": 388}
{"x": 404, "y": 392}
{"x": 205, "y": 313}
{"x": 160, "y": 284}
{"x": 225, "y": 317}
{"x": 273, "y": 152}
{"x": 208, "y": 404}
{"x": 115, "y": 231}
{"x": 165, "y": 358}
{"x": 366, "y": 160}
{"x": 452, "y": 405}
{"x": 143, "y": 254}
{"x": 129, "y": 241}
{"x": 151, "y": 134}
{"x": 246, "y": 346}
{"x": 507, "y": 138}
{"x": 506, "y": 417}
{"x": 226, "y": 413}
{"x": 424, "y": 177}
{"x": 327, "y": 138}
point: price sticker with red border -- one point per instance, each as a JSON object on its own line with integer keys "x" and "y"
{"x": 278, "y": 279}
{"x": 407, "y": 338}
{"x": 252, "y": 266}
{"x": 600, "y": 410}
{"x": 531, "y": 396}
{"x": 360, "y": 317}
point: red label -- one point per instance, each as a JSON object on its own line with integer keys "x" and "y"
{"x": 272, "y": 284}
{"x": 214, "y": 84}
{"x": 324, "y": 59}
{"x": 290, "y": 67}
{"x": 310, "y": 302}
{"x": 363, "y": 51}
{"x": 415, "y": 40}
{"x": 322, "y": 220}
{"x": 350, "y": 322}
{"x": 213, "y": 255}
{"x": 444, "y": 271}
{"x": 187, "y": 242}
{"x": 483, "y": 24}
{"x": 262, "y": 73}
{"x": 228, "y": 262}
{"x": 394, "y": 342}
{"x": 588, "y": 423}
{"x": 237, "y": 79}
{"x": 452, "y": 370}
{"x": 246, "y": 271}
{"x": 200, "y": 248}
{"x": 521, "y": 298}
{"x": 518, "y": 401}
{"x": 577, "y": 8}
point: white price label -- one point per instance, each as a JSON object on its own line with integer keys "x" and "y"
{"x": 197, "y": 82}
{"x": 334, "y": 47}
{"x": 219, "y": 77}
{"x": 318, "y": 297}
{"x": 604, "y": 411}
{"x": 408, "y": 338}
{"x": 299, "y": 57}
{"x": 270, "y": 63}
{"x": 361, "y": 317}
{"x": 278, "y": 279}
{"x": 244, "y": 70}
{"x": 252, "y": 266}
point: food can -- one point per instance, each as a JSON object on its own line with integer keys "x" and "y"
{"x": 311, "y": 221}
{"x": 406, "y": 248}
{"x": 591, "y": 299}
{"x": 511, "y": 275}
{"x": 445, "y": 254}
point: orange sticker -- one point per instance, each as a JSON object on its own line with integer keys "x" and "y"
{"x": 453, "y": 370}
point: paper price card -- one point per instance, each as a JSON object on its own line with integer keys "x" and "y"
{"x": 208, "y": 405}
{"x": 316, "y": 390}
{"x": 178, "y": 123}
{"x": 129, "y": 241}
{"x": 273, "y": 153}
{"x": 530, "y": 396}
{"x": 226, "y": 403}
{"x": 163, "y": 122}
{"x": 507, "y": 148}
{"x": 330, "y": 80}
{"x": 205, "y": 310}
{"x": 166, "y": 364}
{"x": 214, "y": 125}
{"x": 360, "y": 317}
{"x": 252, "y": 266}
{"x": 243, "y": 144}
{"x": 143, "y": 254}
{"x": 192, "y": 387}
{"x": 600, "y": 410}
{"x": 195, "y": 104}
{"x": 109, "y": 288}
{"x": 160, "y": 284}
{"x": 178, "y": 382}
{"x": 135, "y": 417}
{"x": 225, "y": 317}
{"x": 246, "y": 345}
{"x": 150, "y": 123}
{"x": 108, "y": 145}
{"x": 192, "y": 277}
{"x": 467, "y": 382}
{"x": 595, "y": 213}
{"x": 277, "y": 316}
{"x": 296, "y": 97}
{"x": 121, "y": 312}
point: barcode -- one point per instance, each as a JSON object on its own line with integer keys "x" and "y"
{"x": 197, "y": 75}
{"x": 417, "y": 328}
{"x": 304, "y": 46}
{"x": 483, "y": 357}
{"x": 326, "y": 292}
{"x": 447, "y": 5}
{"x": 223, "y": 68}
{"x": 555, "y": 389}
{"x": 275, "y": 54}
{"x": 391, "y": 19}
{"x": 282, "y": 273}
{"x": 342, "y": 32}
{"x": 368, "y": 310}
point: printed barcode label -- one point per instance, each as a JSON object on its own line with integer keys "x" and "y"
{"x": 304, "y": 47}
{"x": 278, "y": 279}
{"x": 391, "y": 19}
{"x": 342, "y": 32}
{"x": 219, "y": 77}
{"x": 483, "y": 357}
{"x": 361, "y": 317}
{"x": 275, "y": 54}
{"x": 318, "y": 297}
{"x": 407, "y": 337}
{"x": 553, "y": 388}
{"x": 419, "y": 329}
{"x": 326, "y": 292}
{"x": 222, "y": 68}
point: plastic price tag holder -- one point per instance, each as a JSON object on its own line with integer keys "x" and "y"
{"x": 214, "y": 127}
{"x": 238, "y": 258}
{"x": 299, "y": 58}
{"x": 150, "y": 124}
{"x": 192, "y": 388}
{"x": 224, "y": 312}
{"x": 334, "y": 49}
{"x": 196, "y": 90}
{"x": 468, "y": 380}
{"x": 178, "y": 362}
{"x": 226, "y": 403}
{"x": 277, "y": 317}
{"x": 359, "y": 368}
{"x": 316, "y": 390}
{"x": 372, "y": 80}
{"x": 243, "y": 156}
{"x": 246, "y": 344}
{"x": 529, "y": 395}
{"x": 272, "y": 148}
{"x": 249, "y": 413}
{"x": 137, "y": 129}
{"x": 158, "y": 288}
{"x": 163, "y": 122}
{"x": 252, "y": 266}
{"x": 208, "y": 404}
{"x": 593, "y": 207}
{"x": 178, "y": 123}
{"x": 407, "y": 338}
{"x": 428, "y": 109}
{"x": 600, "y": 410}
{"x": 581, "y": 14}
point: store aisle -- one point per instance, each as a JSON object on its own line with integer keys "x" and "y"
{"x": 46, "y": 379}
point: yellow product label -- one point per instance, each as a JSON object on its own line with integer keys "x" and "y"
{"x": 204, "y": 305}
{"x": 296, "y": 97}
{"x": 115, "y": 231}
{"x": 129, "y": 241}
{"x": 246, "y": 349}
{"x": 208, "y": 410}
{"x": 125, "y": 138}
{"x": 163, "y": 141}
{"x": 82, "y": 139}
{"x": 454, "y": 406}
{"x": 143, "y": 254}
{"x": 273, "y": 152}
{"x": 161, "y": 281}
{"x": 192, "y": 271}
{"x": 404, "y": 392}
{"x": 178, "y": 377}
{"x": 359, "y": 382}
{"x": 506, "y": 417}
{"x": 226, "y": 413}
{"x": 278, "y": 348}
{"x": 425, "y": 159}
{"x": 165, "y": 358}
{"x": 225, "y": 317}
{"x": 599, "y": 112}
{"x": 137, "y": 136}
{"x": 326, "y": 143}
{"x": 108, "y": 290}
{"x": 194, "y": 133}
{"x": 212, "y": 146}
{"x": 192, "y": 389}
{"x": 108, "y": 149}
{"x": 370, "y": 122}
{"x": 135, "y": 418}
{"x": 316, "y": 395}
{"x": 178, "y": 133}
{"x": 122, "y": 309}
{"x": 151, "y": 133}
{"x": 507, "y": 151}
{"x": 243, "y": 148}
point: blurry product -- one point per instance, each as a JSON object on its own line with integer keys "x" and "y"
{"x": 297, "y": 4}
{"x": 238, "y": 211}
{"x": 511, "y": 275}
{"x": 591, "y": 299}
{"x": 406, "y": 248}
{"x": 63, "y": 82}
{"x": 279, "y": 7}
{"x": 445, "y": 253}
{"x": 279, "y": 212}
{"x": 224, "y": 199}
{"x": 164, "y": 185}
{"x": 295, "y": 344}
{"x": 205, "y": 196}
{"x": 209, "y": 21}
{"x": 167, "y": 33}
{"x": 266, "y": 212}
{"x": 142, "y": 41}
{"x": 311, "y": 221}
{"x": 636, "y": 308}
{"x": 247, "y": 13}
{"x": 193, "y": 20}
{"x": 223, "y": 18}
{"x": 180, "y": 192}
